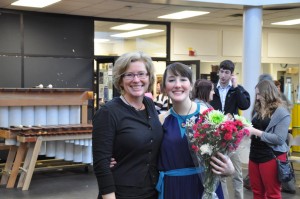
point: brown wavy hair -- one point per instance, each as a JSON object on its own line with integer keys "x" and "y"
{"x": 201, "y": 90}
{"x": 270, "y": 99}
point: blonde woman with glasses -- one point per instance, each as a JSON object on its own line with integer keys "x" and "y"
{"x": 127, "y": 129}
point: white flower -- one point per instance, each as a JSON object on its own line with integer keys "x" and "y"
{"x": 190, "y": 122}
{"x": 206, "y": 149}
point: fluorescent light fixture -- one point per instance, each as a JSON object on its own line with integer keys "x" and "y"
{"x": 137, "y": 33}
{"x": 34, "y": 3}
{"x": 128, "y": 26}
{"x": 183, "y": 14}
{"x": 287, "y": 23}
{"x": 101, "y": 40}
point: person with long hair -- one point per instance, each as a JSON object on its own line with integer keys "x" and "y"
{"x": 268, "y": 139}
{"x": 203, "y": 92}
{"x": 230, "y": 97}
{"x": 179, "y": 175}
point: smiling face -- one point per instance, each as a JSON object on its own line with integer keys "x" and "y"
{"x": 135, "y": 87}
{"x": 177, "y": 87}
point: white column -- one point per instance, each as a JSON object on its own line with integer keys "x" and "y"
{"x": 252, "y": 33}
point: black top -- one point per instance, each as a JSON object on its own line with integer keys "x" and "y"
{"x": 259, "y": 150}
{"x": 236, "y": 98}
{"x": 133, "y": 138}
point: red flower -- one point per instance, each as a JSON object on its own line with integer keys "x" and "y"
{"x": 238, "y": 123}
{"x": 217, "y": 133}
{"x": 195, "y": 148}
{"x": 228, "y": 136}
{"x": 196, "y": 135}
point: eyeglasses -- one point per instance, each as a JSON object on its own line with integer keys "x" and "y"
{"x": 130, "y": 76}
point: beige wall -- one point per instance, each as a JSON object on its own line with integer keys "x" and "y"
{"x": 216, "y": 43}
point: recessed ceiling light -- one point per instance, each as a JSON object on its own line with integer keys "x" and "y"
{"x": 183, "y": 14}
{"x": 34, "y": 3}
{"x": 128, "y": 26}
{"x": 287, "y": 23}
{"x": 101, "y": 40}
{"x": 137, "y": 33}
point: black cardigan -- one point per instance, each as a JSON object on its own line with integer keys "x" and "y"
{"x": 236, "y": 98}
{"x": 120, "y": 132}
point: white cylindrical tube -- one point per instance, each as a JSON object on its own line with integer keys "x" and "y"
{"x": 60, "y": 150}
{"x": 87, "y": 154}
{"x": 28, "y": 115}
{"x": 15, "y": 116}
{"x": 40, "y": 115}
{"x": 69, "y": 152}
{"x": 4, "y": 117}
{"x": 50, "y": 149}
{"x": 52, "y": 115}
{"x": 10, "y": 142}
{"x": 52, "y": 119}
{"x": 43, "y": 149}
{"x": 77, "y": 153}
{"x": 63, "y": 115}
{"x": 75, "y": 115}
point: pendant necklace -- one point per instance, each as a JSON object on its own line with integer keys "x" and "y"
{"x": 124, "y": 99}
{"x": 183, "y": 124}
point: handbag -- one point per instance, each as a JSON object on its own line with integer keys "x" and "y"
{"x": 285, "y": 170}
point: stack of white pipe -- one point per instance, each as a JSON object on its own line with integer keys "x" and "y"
{"x": 70, "y": 150}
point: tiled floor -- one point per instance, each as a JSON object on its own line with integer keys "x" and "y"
{"x": 79, "y": 184}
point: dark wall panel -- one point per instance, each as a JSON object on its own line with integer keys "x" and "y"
{"x": 10, "y": 33}
{"x": 58, "y": 35}
{"x": 60, "y": 72}
{"x": 10, "y": 72}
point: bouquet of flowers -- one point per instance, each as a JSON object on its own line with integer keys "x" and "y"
{"x": 214, "y": 132}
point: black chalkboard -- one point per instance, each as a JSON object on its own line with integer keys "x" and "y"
{"x": 60, "y": 72}
{"x": 10, "y": 72}
{"x": 10, "y": 33}
{"x": 57, "y": 35}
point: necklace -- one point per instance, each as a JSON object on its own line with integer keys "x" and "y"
{"x": 124, "y": 100}
{"x": 184, "y": 119}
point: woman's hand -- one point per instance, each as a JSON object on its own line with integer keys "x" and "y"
{"x": 222, "y": 165}
{"x": 254, "y": 131}
{"x": 113, "y": 162}
{"x": 109, "y": 196}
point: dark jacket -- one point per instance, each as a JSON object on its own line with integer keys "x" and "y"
{"x": 236, "y": 98}
{"x": 120, "y": 132}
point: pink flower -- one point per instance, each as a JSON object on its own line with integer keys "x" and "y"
{"x": 195, "y": 148}
{"x": 217, "y": 133}
{"x": 196, "y": 135}
{"x": 228, "y": 136}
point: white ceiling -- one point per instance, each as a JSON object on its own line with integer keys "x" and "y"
{"x": 220, "y": 14}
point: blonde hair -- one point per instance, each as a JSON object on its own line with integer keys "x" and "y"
{"x": 270, "y": 99}
{"x": 122, "y": 64}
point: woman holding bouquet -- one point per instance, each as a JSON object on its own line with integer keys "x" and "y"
{"x": 179, "y": 177}
{"x": 269, "y": 133}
